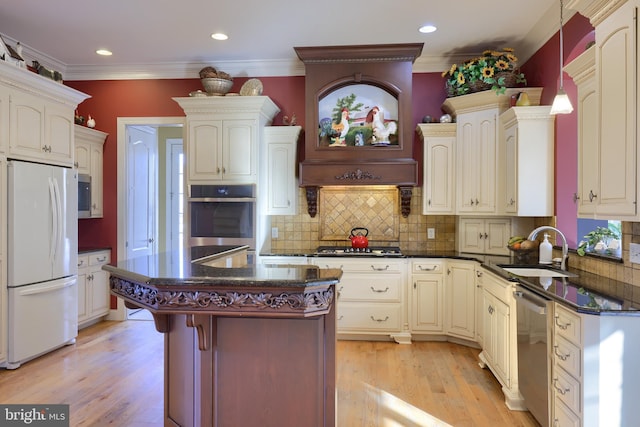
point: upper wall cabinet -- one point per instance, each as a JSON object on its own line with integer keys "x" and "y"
{"x": 607, "y": 147}
{"x": 37, "y": 123}
{"x": 477, "y": 156}
{"x": 222, "y": 137}
{"x": 280, "y": 181}
{"x": 89, "y": 160}
{"x": 526, "y": 161}
{"x": 438, "y": 191}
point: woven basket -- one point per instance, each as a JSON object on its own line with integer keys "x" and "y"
{"x": 478, "y": 86}
{"x": 510, "y": 78}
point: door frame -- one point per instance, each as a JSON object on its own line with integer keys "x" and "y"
{"x": 122, "y": 123}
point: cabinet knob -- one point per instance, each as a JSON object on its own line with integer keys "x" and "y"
{"x": 512, "y": 202}
{"x": 472, "y": 202}
{"x": 486, "y": 236}
{"x": 218, "y": 171}
{"x": 477, "y": 202}
{"x": 592, "y": 195}
{"x": 575, "y": 197}
{"x": 429, "y": 202}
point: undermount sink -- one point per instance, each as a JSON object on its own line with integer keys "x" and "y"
{"x": 537, "y": 272}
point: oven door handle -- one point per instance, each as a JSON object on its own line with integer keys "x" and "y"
{"x": 531, "y": 301}
{"x": 222, "y": 199}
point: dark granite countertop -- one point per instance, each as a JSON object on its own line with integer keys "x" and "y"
{"x": 171, "y": 269}
{"x": 89, "y": 249}
{"x": 405, "y": 254}
{"x": 582, "y": 291}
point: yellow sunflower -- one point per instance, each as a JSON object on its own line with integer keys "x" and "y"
{"x": 461, "y": 79}
{"x": 487, "y": 72}
{"x": 502, "y": 64}
{"x": 511, "y": 57}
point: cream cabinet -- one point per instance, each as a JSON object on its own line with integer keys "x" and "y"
{"x": 39, "y": 130}
{"x": 460, "y": 299}
{"x": 477, "y": 148}
{"x": 372, "y": 297}
{"x": 427, "y": 296}
{"x": 283, "y": 260}
{"x": 582, "y": 70}
{"x": 476, "y": 162}
{"x": 222, "y": 138}
{"x": 4, "y": 120}
{"x": 438, "y": 191}
{"x": 93, "y": 287}
{"x": 484, "y": 235}
{"x": 280, "y": 182}
{"x": 526, "y": 162}
{"x": 89, "y": 160}
{"x": 499, "y": 335}
{"x": 607, "y": 148}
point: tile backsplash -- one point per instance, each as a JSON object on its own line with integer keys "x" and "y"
{"x": 375, "y": 208}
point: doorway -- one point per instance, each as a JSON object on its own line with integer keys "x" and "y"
{"x": 149, "y": 155}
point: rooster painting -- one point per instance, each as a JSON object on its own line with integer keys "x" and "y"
{"x": 339, "y": 130}
{"x": 381, "y": 130}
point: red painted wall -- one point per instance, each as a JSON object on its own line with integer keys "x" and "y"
{"x": 152, "y": 98}
{"x": 543, "y": 69}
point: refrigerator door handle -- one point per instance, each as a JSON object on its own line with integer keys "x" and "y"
{"x": 35, "y": 290}
{"x": 57, "y": 217}
{"x": 54, "y": 221}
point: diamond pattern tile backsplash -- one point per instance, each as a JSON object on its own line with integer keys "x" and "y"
{"x": 376, "y": 208}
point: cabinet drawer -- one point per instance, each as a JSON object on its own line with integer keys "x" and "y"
{"x": 83, "y": 261}
{"x": 368, "y": 265}
{"x": 369, "y": 317}
{"x": 567, "y": 356}
{"x": 568, "y": 324}
{"x": 99, "y": 258}
{"x": 567, "y": 389}
{"x": 371, "y": 287}
{"x": 427, "y": 266}
{"x": 563, "y": 417}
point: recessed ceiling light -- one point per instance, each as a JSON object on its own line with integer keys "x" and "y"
{"x": 427, "y": 29}
{"x": 104, "y": 52}
{"x": 219, "y": 36}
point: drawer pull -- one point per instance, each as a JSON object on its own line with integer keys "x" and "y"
{"x": 562, "y": 326}
{"x": 421, "y": 268}
{"x": 102, "y": 258}
{"x": 80, "y": 262}
{"x": 558, "y": 389}
{"x": 340, "y": 318}
{"x": 379, "y": 320}
{"x": 379, "y": 290}
{"x": 561, "y": 356}
{"x": 328, "y": 266}
{"x": 380, "y": 269}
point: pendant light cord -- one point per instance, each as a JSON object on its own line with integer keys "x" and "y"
{"x": 561, "y": 50}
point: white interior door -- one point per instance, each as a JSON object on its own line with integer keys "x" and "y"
{"x": 175, "y": 200}
{"x": 142, "y": 154}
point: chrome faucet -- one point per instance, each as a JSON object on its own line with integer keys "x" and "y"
{"x": 565, "y": 247}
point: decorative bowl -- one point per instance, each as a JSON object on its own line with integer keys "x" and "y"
{"x": 522, "y": 255}
{"x": 216, "y": 86}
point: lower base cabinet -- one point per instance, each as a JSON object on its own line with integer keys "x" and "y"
{"x": 372, "y": 297}
{"x": 93, "y": 287}
{"x": 499, "y": 335}
{"x": 427, "y": 296}
{"x": 460, "y": 297}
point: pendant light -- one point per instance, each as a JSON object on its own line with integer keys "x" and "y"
{"x": 561, "y": 103}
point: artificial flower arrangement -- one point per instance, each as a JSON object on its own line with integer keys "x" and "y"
{"x": 494, "y": 70}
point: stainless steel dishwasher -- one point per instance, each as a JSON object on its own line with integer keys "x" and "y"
{"x": 534, "y": 335}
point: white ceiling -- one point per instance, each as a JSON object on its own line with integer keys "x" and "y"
{"x": 171, "y": 39}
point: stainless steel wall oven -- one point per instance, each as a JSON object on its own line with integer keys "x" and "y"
{"x": 222, "y": 215}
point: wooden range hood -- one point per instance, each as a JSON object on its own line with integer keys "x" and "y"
{"x": 385, "y": 67}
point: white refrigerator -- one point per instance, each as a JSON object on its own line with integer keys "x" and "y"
{"x": 42, "y": 259}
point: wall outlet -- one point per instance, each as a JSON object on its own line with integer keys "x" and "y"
{"x": 274, "y": 232}
{"x": 634, "y": 253}
{"x": 431, "y": 233}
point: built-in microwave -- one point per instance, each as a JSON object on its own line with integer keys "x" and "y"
{"x": 84, "y": 195}
{"x": 222, "y": 215}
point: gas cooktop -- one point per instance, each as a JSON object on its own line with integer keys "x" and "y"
{"x": 349, "y": 251}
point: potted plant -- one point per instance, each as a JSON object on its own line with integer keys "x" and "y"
{"x": 494, "y": 69}
{"x": 601, "y": 240}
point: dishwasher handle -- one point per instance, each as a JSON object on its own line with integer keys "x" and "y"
{"x": 531, "y": 301}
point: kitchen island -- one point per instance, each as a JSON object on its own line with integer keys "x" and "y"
{"x": 245, "y": 345}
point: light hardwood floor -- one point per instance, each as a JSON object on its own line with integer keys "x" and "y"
{"x": 113, "y": 376}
